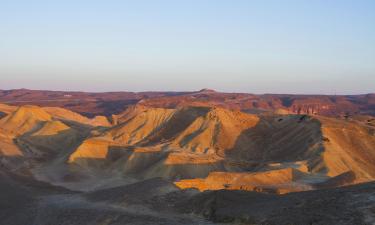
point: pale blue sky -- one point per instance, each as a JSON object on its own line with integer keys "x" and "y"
{"x": 265, "y": 46}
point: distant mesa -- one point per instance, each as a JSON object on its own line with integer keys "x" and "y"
{"x": 207, "y": 90}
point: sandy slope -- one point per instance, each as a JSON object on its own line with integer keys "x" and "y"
{"x": 24, "y": 119}
{"x": 349, "y": 146}
{"x": 140, "y": 126}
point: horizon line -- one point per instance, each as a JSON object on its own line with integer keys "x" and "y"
{"x": 189, "y": 91}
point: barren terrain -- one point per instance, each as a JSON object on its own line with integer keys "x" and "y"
{"x": 186, "y": 158}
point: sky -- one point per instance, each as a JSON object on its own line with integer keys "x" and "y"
{"x": 254, "y": 46}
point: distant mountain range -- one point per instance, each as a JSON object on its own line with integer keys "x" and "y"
{"x": 108, "y": 103}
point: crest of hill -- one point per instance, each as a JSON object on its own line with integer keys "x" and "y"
{"x": 197, "y": 128}
{"x": 184, "y": 127}
{"x": 128, "y": 114}
{"x": 64, "y": 114}
{"x": 181, "y": 119}
{"x": 191, "y": 129}
{"x": 24, "y": 119}
{"x": 140, "y": 126}
{"x": 215, "y": 131}
{"x": 207, "y": 90}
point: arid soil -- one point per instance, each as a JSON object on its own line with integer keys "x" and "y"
{"x": 195, "y": 162}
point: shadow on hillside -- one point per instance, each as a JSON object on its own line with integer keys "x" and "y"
{"x": 145, "y": 164}
{"x": 48, "y": 147}
{"x": 145, "y": 169}
{"x": 299, "y": 138}
{"x": 2, "y": 115}
{"x": 178, "y": 123}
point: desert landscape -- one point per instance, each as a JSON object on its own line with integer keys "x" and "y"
{"x": 203, "y": 157}
{"x": 188, "y": 112}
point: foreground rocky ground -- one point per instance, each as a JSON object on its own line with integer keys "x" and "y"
{"x": 156, "y": 201}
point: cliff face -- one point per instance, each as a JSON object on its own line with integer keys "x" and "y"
{"x": 310, "y": 109}
{"x": 324, "y": 105}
